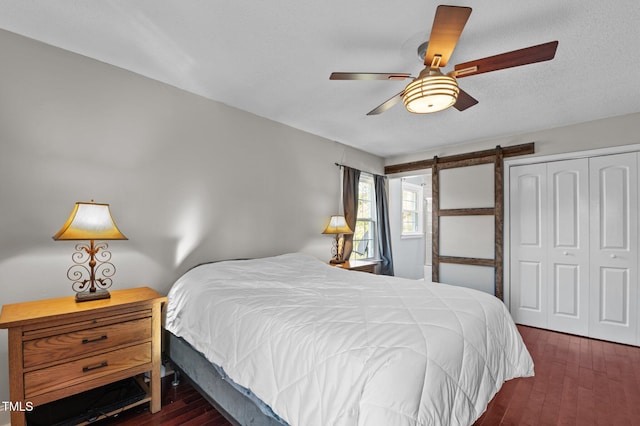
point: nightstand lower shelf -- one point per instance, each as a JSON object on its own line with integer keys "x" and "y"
{"x": 93, "y": 405}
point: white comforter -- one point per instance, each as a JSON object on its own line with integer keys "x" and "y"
{"x": 325, "y": 346}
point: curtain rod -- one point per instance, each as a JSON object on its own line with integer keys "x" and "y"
{"x": 344, "y": 165}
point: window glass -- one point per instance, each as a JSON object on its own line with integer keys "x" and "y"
{"x": 412, "y": 215}
{"x": 364, "y": 236}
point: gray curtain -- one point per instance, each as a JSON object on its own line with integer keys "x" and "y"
{"x": 350, "y": 181}
{"x": 384, "y": 234}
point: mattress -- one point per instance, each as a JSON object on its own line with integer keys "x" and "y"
{"x": 325, "y": 346}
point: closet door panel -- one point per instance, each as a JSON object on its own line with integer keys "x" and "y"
{"x": 614, "y": 295}
{"x": 614, "y": 248}
{"x": 568, "y": 254}
{"x": 530, "y": 291}
{"x": 528, "y": 205}
{"x": 614, "y": 213}
{"x": 566, "y": 290}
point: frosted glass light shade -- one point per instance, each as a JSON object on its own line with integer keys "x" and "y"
{"x": 90, "y": 221}
{"x": 337, "y": 225}
{"x": 432, "y": 91}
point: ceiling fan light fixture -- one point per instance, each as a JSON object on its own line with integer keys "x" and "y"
{"x": 432, "y": 91}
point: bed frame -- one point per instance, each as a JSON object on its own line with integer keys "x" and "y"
{"x": 235, "y": 405}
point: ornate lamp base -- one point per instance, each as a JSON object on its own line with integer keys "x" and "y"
{"x": 92, "y": 271}
{"x": 85, "y": 296}
{"x": 338, "y": 250}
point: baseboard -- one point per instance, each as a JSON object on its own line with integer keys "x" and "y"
{"x": 5, "y": 417}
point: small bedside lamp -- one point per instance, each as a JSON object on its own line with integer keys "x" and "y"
{"x": 338, "y": 226}
{"x": 90, "y": 276}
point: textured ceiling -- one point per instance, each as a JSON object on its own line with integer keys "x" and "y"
{"x": 274, "y": 58}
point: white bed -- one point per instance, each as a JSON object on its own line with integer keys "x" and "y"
{"x": 325, "y": 346}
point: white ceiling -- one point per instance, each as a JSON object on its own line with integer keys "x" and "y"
{"x": 273, "y": 59}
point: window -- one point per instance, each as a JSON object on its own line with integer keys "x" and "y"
{"x": 412, "y": 212}
{"x": 364, "y": 236}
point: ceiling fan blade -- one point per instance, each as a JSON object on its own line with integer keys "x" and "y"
{"x": 386, "y": 104}
{"x": 368, "y": 76}
{"x": 447, "y": 27}
{"x": 464, "y": 101}
{"x": 515, "y": 58}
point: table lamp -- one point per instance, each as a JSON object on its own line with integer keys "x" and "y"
{"x": 92, "y": 269}
{"x": 338, "y": 226}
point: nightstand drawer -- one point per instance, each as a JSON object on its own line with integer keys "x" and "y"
{"x": 72, "y": 373}
{"x": 359, "y": 265}
{"x": 73, "y": 344}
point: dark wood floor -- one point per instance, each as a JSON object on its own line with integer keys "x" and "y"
{"x": 181, "y": 405}
{"x": 578, "y": 381}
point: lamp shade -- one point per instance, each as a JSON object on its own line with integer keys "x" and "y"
{"x": 337, "y": 225}
{"x": 90, "y": 221}
{"x": 430, "y": 92}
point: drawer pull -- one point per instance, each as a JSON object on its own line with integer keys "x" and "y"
{"x": 95, "y": 367}
{"x": 98, "y": 339}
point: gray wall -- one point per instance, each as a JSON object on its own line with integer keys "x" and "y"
{"x": 613, "y": 131}
{"x": 189, "y": 180}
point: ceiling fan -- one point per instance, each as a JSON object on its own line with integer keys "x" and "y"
{"x": 434, "y": 91}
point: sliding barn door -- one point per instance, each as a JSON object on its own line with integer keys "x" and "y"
{"x": 614, "y": 248}
{"x": 466, "y": 226}
{"x": 468, "y": 216}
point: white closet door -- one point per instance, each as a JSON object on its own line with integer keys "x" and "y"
{"x": 614, "y": 251}
{"x": 568, "y": 242}
{"x": 528, "y": 204}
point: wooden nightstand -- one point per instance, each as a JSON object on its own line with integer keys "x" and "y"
{"x": 58, "y": 347}
{"x": 359, "y": 265}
